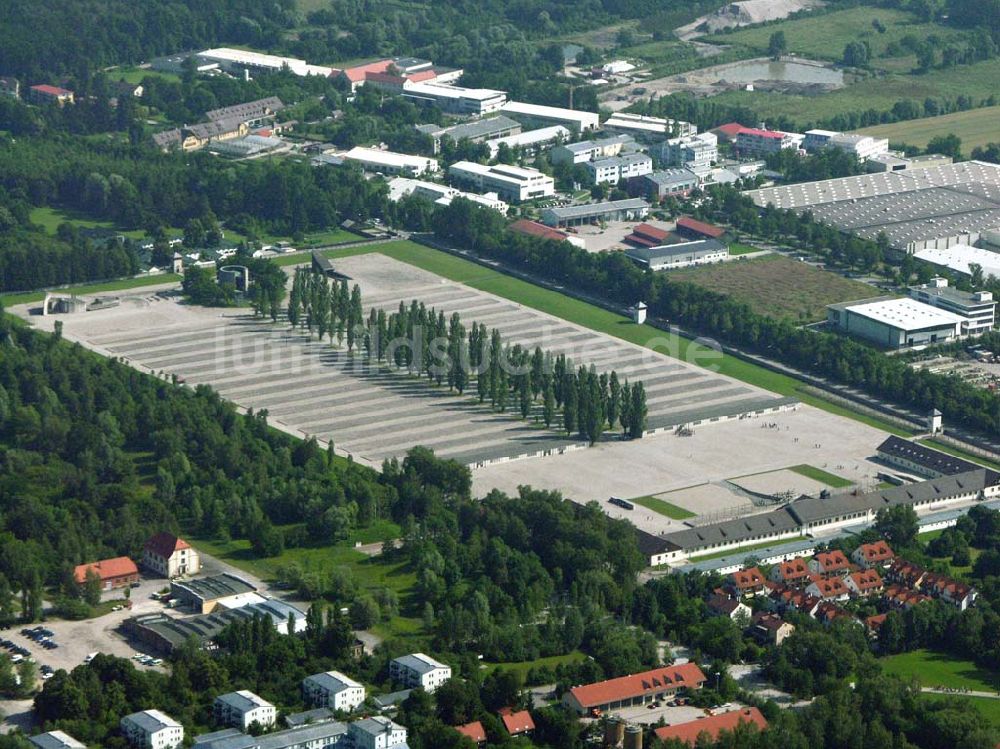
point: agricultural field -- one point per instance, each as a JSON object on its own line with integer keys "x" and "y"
{"x": 976, "y": 127}
{"x": 979, "y": 81}
{"x": 933, "y": 669}
{"x": 825, "y": 35}
{"x": 776, "y": 286}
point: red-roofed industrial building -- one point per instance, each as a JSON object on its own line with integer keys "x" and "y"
{"x": 713, "y": 726}
{"x": 692, "y": 228}
{"x": 517, "y": 723}
{"x": 637, "y": 689}
{"x": 46, "y": 94}
{"x": 728, "y": 132}
{"x": 752, "y": 141}
{"x": 114, "y": 573}
{"x": 535, "y": 229}
{"x": 474, "y": 731}
{"x": 647, "y": 235}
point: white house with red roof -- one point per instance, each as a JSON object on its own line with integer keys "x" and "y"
{"x": 517, "y": 722}
{"x": 43, "y": 93}
{"x": 828, "y": 588}
{"x": 748, "y": 582}
{"x": 170, "y": 556}
{"x": 636, "y": 689}
{"x": 712, "y": 726}
{"x": 875, "y": 555}
{"x": 792, "y": 572}
{"x": 474, "y": 731}
{"x": 830, "y": 563}
{"x": 865, "y": 583}
{"x": 113, "y": 573}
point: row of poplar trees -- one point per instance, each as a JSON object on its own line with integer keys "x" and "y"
{"x": 422, "y": 341}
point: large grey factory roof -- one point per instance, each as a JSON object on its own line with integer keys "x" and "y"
{"x": 206, "y": 626}
{"x": 218, "y": 586}
{"x": 594, "y": 209}
{"x": 479, "y": 128}
{"x": 912, "y": 205}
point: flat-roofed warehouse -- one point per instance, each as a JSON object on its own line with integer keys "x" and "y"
{"x": 204, "y": 594}
{"x": 917, "y": 209}
{"x": 663, "y": 257}
{"x": 894, "y": 323}
{"x": 591, "y": 213}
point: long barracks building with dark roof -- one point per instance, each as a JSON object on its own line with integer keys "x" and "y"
{"x": 808, "y": 516}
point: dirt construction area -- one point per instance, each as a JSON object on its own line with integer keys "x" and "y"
{"x": 314, "y": 388}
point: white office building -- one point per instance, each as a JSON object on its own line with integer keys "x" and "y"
{"x": 512, "y": 183}
{"x": 389, "y": 162}
{"x": 419, "y": 670}
{"x": 619, "y": 168}
{"x": 976, "y": 308}
{"x": 456, "y": 99}
{"x": 694, "y": 152}
{"x": 375, "y": 733}
{"x": 589, "y": 150}
{"x": 151, "y": 729}
{"x": 55, "y": 740}
{"x": 400, "y": 187}
{"x": 242, "y": 709}
{"x": 231, "y": 59}
{"x": 649, "y": 129}
{"x": 334, "y": 690}
{"x": 863, "y": 147}
{"x": 536, "y": 115}
{"x": 530, "y": 142}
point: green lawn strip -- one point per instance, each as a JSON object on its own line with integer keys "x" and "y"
{"x": 930, "y": 535}
{"x": 522, "y": 667}
{"x": 737, "y": 249}
{"x": 824, "y": 477}
{"x": 745, "y": 550}
{"x": 932, "y": 669}
{"x": 958, "y": 453}
{"x": 9, "y": 300}
{"x": 664, "y": 508}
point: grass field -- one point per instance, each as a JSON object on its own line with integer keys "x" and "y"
{"x": 522, "y": 667}
{"x": 978, "y": 81}
{"x": 664, "y": 508}
{"x": 742, "y": 249}
{"x": 932, "y": 669}
{"x": 776, "y": 286}
{"x": 818, "y": 474}
{"x": 824, "y": 36}
{"x": 50, "y": 218}
{"x": 976, "y": 127}
{"x": 135, "y": 75}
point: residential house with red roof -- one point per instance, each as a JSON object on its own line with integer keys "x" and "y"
{"x": 170, "y": 556}
{"x": 118, "y": 572}
{"x": 794, "y": 572}
{"x": 902, "y": 597}
{"x": 712, "y": 726}
{"x": 865, "y": 583}
{"x": 949, "y": 590}
{"x": 830, "y": 563}
{"x": 789, "y": 598}
{"x": 828, "y": 612}
{"x": 906, "y": 573}
{"x": 636, "y": 689}
{"x": 828, "y": 588}
{"x": 876, "y": 555}
{"x": 748, "y": 582}
{"x": 474, "y": 731}
{"x": 517, "y": 722}
{"x": 771, "y": 629}
{"x": 874, "y": 623}
{"x": 46, "y": 94}
{"x": 722, "y": 605}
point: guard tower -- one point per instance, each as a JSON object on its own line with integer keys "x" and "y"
{"x": 639, "y": 313}
{"x": 935, "y": 421}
